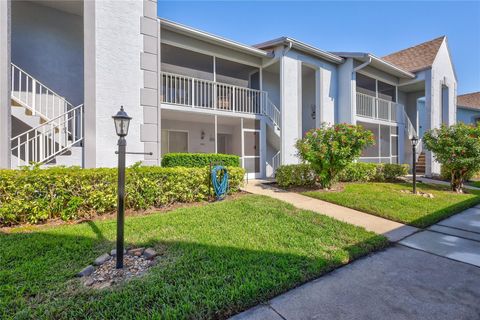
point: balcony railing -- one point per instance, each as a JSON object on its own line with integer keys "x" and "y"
{"x": 198, "y": 93}
{"x": 375, "y": 108}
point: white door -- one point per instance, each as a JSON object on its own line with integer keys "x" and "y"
{"x": 251, "y": 152}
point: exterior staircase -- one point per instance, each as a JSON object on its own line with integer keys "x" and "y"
{"x": 421, "y": 163}
{"x": 46, "y": 128}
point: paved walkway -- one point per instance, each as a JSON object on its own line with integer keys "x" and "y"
{"x": 444, "y": 183}
{"x": 394, "y": 231}
{"x": 430, "y": 274}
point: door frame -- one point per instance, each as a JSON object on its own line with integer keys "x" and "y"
{"x": 252, "y": 175}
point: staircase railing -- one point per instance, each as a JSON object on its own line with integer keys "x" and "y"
{"x": 276, "y": 161}
{"x": 36, "y": 97}
{"x": 411, "y": 131}
{"x": 43, "y": 143}
{"x": 272, "y": 112}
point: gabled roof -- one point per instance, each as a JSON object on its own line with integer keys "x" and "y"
{"x": 378, "y": 63}
{"x": 416, "y": 58}
{"x": 208, "y": 37}
{"x": 301, "y": 46}
{"x": 469, "y": 100}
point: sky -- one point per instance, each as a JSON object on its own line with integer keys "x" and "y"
{"x": 379, "y": 27}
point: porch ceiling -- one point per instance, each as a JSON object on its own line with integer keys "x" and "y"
{"x": 413, "y": 87}
{"x": 197, "y": 118}
{"x": 70, "y": 6}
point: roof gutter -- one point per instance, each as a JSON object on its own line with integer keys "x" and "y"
{"x": 363, "y": 65}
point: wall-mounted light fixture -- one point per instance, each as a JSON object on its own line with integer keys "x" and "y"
{"x": 202, "y": 135}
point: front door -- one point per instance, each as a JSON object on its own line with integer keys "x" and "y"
{"x": 251, "y": 152}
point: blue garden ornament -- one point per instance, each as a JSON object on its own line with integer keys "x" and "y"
{"x": 219, "y": 176}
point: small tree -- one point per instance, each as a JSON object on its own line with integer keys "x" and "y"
{"x": 456, "y": 147}
{"x": 330, "y": 149}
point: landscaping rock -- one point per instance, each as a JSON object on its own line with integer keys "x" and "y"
{"x": 89, "y": 282}
{"x": 102, "y": 259}
{"x": 86, "y": 271}
{"x": 149, "y": 254}
{"x": 136, "y": 252}
{"x": 113, "y": 253}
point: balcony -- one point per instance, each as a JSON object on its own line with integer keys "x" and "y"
{"x": 198, "y": 93}
{"x": 376, "y": 108}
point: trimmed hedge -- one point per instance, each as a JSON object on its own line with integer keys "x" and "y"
{"x": 37, "y": 195}
{"x": 295, "y": 175}
{"x": 300, "y": 175}
{"x": 198, "y": 160}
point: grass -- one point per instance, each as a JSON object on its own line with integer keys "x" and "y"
{"x": 386, "y": 200}
{"x": 219, "y": 259}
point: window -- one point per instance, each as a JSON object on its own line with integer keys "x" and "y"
{"x": 386, "y": 91}
{"x": 366, "y": 85}
{"x": 385, "y": 148}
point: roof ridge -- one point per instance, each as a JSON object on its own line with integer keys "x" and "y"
{"x": 415, "y": 46}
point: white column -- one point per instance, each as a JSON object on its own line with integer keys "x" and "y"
{"x": 5, "y": 84}
{"x": 290, "y": 101}
{"x": 319, "y": 108}
{"x": 263, "y": 148}
{"x": 216, "y": 133}
{"x": 242, "y": 139}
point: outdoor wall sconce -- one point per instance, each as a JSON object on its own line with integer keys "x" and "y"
{"x": 202, "y": 135}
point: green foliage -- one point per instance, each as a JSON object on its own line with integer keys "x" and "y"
{"x": 216, "y": 260}
{"x": 295, "y": 175}
{"x": 378, "y": 172}
{"x": 35, "y": 195}
{"x": 301, "y": 175}
{"x": 198, "y": 160}
{"x": 330, "y": 149}
{"x": 456, "y": 147}
{"x": 358, "y": 172}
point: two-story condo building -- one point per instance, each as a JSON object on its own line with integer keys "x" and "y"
{"x": 67, "y": 66}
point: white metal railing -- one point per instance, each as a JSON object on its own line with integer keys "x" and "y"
{"x": 410, "y": 131}
{"x": 272, "y": 112}
{"x": 376, "y": 108}
{"x": 276, "y": 161}
{"x": 35, "y": 96}
{"x": 41, "y": 144}
{"x": 198, "y": 93}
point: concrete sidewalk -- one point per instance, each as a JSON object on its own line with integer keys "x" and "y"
{"x": 431, "y": 274}
{"x": 399, "y": 283}
{"x": 394, "y": 231}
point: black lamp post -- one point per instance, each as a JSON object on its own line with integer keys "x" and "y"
{"x": 122, "y": 122}
{"x": 414, "y": 140}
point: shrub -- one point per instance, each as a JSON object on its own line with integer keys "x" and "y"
{"x": 70, "y": 193}
{"x": 392, "y": 171}
{"x": 378, "y": 172}
{"x": 457, "y": 148}
{"x": 295, "y": 175}
{"x": 198, "y": 160}
{"x": 358, "y": 172}
{"x": 330, "y": 149}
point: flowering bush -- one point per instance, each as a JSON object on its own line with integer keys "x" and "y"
{"x": 457, "y": 148}
{"x": 329, "y": 149}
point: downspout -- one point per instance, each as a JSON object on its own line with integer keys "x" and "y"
{"x": 363, "y": 65}
{"x": 290, "y": 45}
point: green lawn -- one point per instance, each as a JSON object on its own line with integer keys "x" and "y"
{"x": 386, "y": 200}
{"x": 219, "y": 259}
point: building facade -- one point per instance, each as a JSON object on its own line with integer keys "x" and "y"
{"x": 67, "y": 66}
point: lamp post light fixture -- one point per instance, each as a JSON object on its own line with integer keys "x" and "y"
{"x": 122, "y": 122}
{"x": 414, "y": 140}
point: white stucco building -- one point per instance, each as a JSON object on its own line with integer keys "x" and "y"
{"x": 67, "y": 66}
